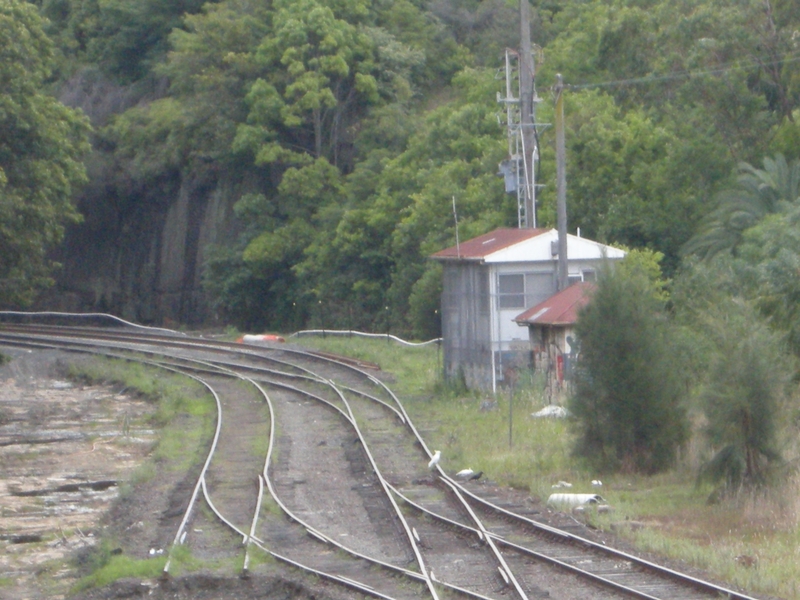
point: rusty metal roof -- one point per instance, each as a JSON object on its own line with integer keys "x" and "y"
{"x": 488, "y": 243}
{"x": 561, "y": 308}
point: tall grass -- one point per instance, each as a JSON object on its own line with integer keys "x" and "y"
{"x": 492, "y": 434}
{"x": 415, "y": 369}
{"x": 753, "y": 542}
{"x": 106, "y": 567}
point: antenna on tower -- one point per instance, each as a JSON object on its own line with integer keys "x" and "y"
{"x": 519, "y": 169}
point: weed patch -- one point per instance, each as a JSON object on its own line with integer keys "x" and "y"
{"x": 752, "y": 541}
{"x": 416, "y": 369}
{"x": 106, "y": 566}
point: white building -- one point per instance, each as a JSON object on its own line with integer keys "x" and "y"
{"x": 488, "y": 281}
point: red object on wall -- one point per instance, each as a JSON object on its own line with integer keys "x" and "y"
{"x": 560, "y": 367}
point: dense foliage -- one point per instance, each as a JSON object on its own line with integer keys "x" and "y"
{"x": 743, "y": 398}
{"x": 42, "y": 146}
{"x": 349, "y": 127}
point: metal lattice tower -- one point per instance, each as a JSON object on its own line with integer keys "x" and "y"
{"x": 523, "y": 140}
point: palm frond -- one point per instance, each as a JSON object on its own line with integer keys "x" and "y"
{"x": 758, "y": 193}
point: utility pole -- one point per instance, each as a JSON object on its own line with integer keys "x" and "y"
{"x": 561, "y": 185}
{"x": 526, "y": 112}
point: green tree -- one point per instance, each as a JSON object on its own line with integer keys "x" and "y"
{"x": 317, "y": 63}
{"x": 42, "y": 145}
{"x": 758, "y": 193}
{"x": 131, "y": 35}
{"x": 627, "y": 398}
{"x": 400, "y": 210}
{"x": 743, "y": 397}
{"x": 737, "y": 314}
{"x": 633, "y": 180}
{"x": 768, "y": 260}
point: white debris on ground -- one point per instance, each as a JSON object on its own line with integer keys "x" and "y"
{"x": 553, "y": 411}
{"x": 573, "y": 500}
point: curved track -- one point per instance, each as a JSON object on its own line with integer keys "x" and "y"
{"x": 315, "y": 462}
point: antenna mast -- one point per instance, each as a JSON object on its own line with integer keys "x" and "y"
{"x": 529, "y": 149}
{"x": 519, "y": 169}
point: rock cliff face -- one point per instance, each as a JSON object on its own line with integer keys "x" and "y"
{"x": 139, "y": 252}
{"x": 141, "y": 257}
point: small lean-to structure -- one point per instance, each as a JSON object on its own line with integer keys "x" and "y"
{"x": 488, "y": 281}
{"x": 551, "y": 332}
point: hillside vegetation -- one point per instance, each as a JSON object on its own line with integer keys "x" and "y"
{"x": 340, "y": 133}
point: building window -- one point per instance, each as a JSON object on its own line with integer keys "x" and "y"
{"x": 512, "y": 291}
{"x": 585, "y": 275}
{"x": 483, "y": 293}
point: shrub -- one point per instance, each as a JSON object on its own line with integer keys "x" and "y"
{"x": 626, "y": 400}
{"x": 742, "y": 399}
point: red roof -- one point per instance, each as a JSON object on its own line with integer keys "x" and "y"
{"x": 561, "y": 308}
{"x": 488, "y": 243}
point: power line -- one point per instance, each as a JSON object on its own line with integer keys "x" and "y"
{"x": 688, "y": 74}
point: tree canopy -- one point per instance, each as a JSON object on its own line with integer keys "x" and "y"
{"x": 356, "y": 124}
{"x": 42, "y": 145}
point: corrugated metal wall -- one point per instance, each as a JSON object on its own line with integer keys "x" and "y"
{"x": 466, "y": 325}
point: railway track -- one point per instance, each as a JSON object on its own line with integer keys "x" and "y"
{"x": 315, "y": 463}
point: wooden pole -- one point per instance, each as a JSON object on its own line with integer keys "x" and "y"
{"x": 561, "y": 185}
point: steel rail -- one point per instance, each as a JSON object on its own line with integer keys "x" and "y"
{"x": 201, "y": 478}
{"x": 153, "y": 339}
{"x": 350, "y": 418}
{"x": 222, "y": 370}
{"x": 406, "y": 527}
{"x": 110, "y": 317}
{"x": 653, "y": 567}
{"x": 259, "y": 500}
{"x": 311, "y": 529}
{"x": 316, "y": 533}
{"x": 493, "y": 538}
{"x": 176, "y": 338}
{"x": 179, "y": 537}
{"x": 676, "y": 576}
{"x": 484, "y": 536}
{"x": 509, "y": 575}
{"x": 251, "y": 538}
{"x": 489, "y": 538}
